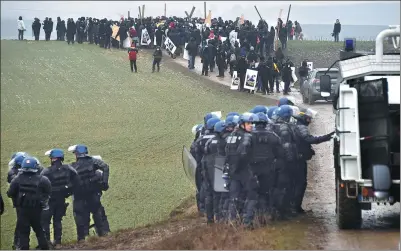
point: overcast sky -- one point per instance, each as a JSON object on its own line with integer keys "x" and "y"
{"x": 306, "y": 12}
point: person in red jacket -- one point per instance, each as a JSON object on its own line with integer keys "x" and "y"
{"x": 132, "y": 52}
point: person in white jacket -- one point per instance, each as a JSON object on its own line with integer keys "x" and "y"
{"x": 21, "y": 28}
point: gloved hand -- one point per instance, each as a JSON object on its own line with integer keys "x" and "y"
{"x": 105, "y": 186}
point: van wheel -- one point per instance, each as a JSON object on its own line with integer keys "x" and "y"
{"x": 348, "y": 211}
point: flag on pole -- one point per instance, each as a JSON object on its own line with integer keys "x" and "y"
{"x": 242, "y": 20}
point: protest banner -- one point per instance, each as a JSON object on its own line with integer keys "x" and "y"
{"x": 250, "y": 79}
{"x": 235, "y": 81}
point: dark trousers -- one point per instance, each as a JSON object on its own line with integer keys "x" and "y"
{"x": 221, "y": 69}
{"x": 133, "y": 65}
{"x": 47, "y": 35}
{"x": 286, "y": 86}
{"x": 56, "y": 212}
{"x": 156, "y": 62}
{"x": 265, "y": 85}
{"x": 205, "y": 68}
{"x": 199, "y": 190}
{"x": 90, "y": 37}
{"x": 36, "y": 34}
{"x": 300, "y": 184}
{"x": 70, "y": 38}
{"x": 20, "y": 34}
{"x": 241, "y": 81}
{"x": 16, "y": 232}
{"x": 237, "y": 188}
{"x": 107, "y": 42}
{"x": 280, "y": 198}
{"x": 212, "y": 65}
{"x": 27, "y": 218}
{"x": 83, "y": 206}
{"x": 336, "y": 37}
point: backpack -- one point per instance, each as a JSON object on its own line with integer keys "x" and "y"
{"x": 132, "y": 55}
{"x": 233, "y": 57}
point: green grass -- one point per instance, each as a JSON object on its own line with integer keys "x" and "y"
{"x": 55, "y": 95}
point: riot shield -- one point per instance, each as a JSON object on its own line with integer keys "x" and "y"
{"x": 218, "y": 181}
{"x": 189, "y": 164}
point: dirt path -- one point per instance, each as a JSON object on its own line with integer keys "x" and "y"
{"x": 316, "y": 230}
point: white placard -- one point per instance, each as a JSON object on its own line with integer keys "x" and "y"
{"x": 186, "y": 54}
{"x": 145, "y": 38}
{"x": 223, "y": 39}
{"x": 127, "y": 42}
{"x": 294, "y": 76}
{"x": 235, "y": 81}
{"x": 250, "y": 79}
{"x": 310, "y": 65}
{"x": 170, "y": 46}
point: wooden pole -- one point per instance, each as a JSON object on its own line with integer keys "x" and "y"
{"x": 143, "y": 11}
{"x": 258, "y": 12}
{"x": 288, "y": 15}
{"x": 128, "y": 15}
{"x": 165, "y": 9}
{"x": 139, "y": 14}
{"x": 204, "y": 8}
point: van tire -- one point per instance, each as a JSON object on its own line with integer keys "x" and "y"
{"x": 348, "y": 211}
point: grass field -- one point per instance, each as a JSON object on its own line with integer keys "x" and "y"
{"x": 55, "y": 95}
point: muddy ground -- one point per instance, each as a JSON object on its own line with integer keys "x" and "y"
{"x": 315, "y": 230}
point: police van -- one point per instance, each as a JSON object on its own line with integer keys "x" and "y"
{"x": 367, "y": 124}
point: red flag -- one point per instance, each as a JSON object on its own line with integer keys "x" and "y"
{"x": 219, "y": 37}
{"x": 257, "y": 40}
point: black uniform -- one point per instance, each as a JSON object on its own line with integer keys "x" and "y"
{"x": 1, "y": 205}
{"x": 237, "y": 154}
{"x": 212, "y": 197}
{"x": 62, "y": 178}
{"x": 265, "y": 149}
{"x": 30, "y": 192}
{"x": 87, "y": 196}
{"x": 283, "y": 189}
{"x": 198, "y": 149}
{"x": 36, "y": 28}
{"x": 305, "y": 152}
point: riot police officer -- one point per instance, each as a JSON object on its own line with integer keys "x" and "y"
{"x": 210, "y": 151}
{"x": 86, "y": 196}
{"x": 265, "y": 148}
{"x": 63, "y": 178}
{"x": 199, "y": 139}
{"x": 14, "y": 167}
{"x": 30, "y": 193}
{"x": 283, "y": 192}
{"x": 237, "y": 159}
{"x": 230, "y": 123}
{"x": 305, "y": 153}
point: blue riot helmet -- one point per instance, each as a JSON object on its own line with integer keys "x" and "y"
{"x": 262, "y": 117}
{"x": 270, "y": 111}
{"x": 19, "y": 159}
{"x": 208, "y": 116}
{"x": 16, "y": 154}
{"x": 30, "y": 164}
{"x": 260, "y": 108}
{"x": 81, "y": 150}
{"x": 220, "y": 126}
{"x": 230, "y": 121}
{"x": 57, "y": 154}
{"x": 232, "y": 114}
{"x": 211, "y": 122}
{"x": 284, "y": 101}
{"x": 248, "y": 118}
{"x": 284, "y": 112}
